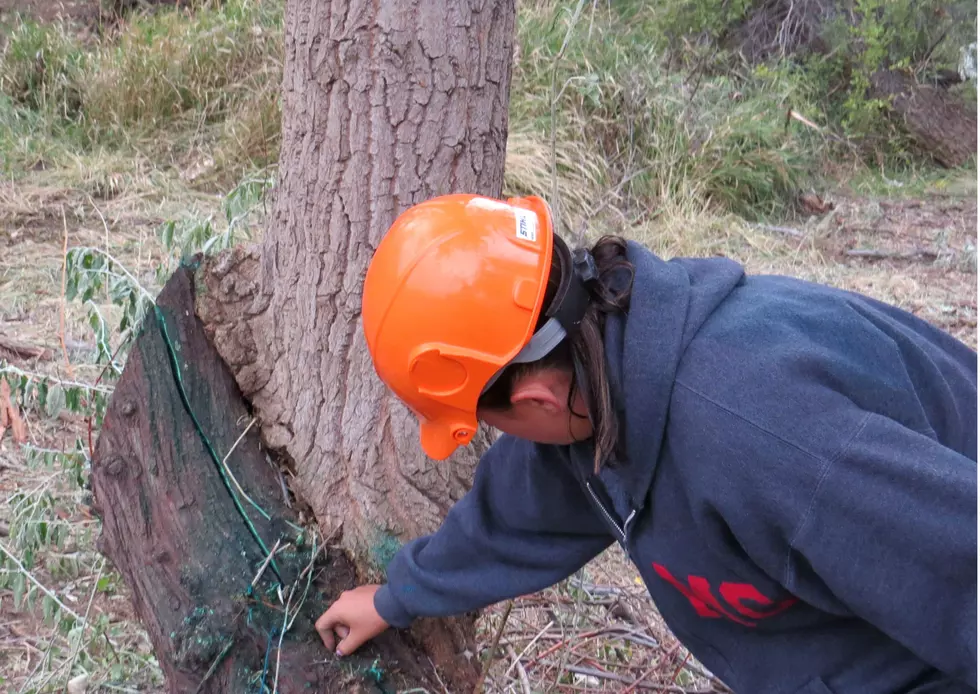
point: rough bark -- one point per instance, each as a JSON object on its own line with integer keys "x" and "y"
{"x": 171, "y": 527}
{"x": 939, "y": 122}
{"x": 384, "y": 105}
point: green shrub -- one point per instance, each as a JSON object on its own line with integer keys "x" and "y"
{"x": 625, "y": 127}
{"x": 185, "y": 84}
{"x": 168, "y": 65}
{"x": 838, "y": 45}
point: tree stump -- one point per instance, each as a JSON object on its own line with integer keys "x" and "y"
{"x": 173, "y": 528}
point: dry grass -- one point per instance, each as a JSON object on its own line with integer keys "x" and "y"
{"x": 41, "y": 648}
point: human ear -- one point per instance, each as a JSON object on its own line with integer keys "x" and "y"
{"x": 536, "y": 393}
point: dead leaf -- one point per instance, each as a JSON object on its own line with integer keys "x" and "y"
{"x": 4, "y": 403}
{"x": 18, "y": 428}
{"x": 11, "y": 417}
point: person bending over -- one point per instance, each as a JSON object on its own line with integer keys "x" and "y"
{"x": 791, "y": 467}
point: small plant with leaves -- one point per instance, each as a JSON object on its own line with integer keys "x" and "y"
{"x": 93, "y": 271}
{"x": 185, "y": 237}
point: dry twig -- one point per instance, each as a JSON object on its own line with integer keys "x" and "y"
{"x": 575, "y": 637}
{"x": 521, "y": 672}
{"x": 789, "y": 231}
{"x": 268, "y": 559}
{"x": 88, "y": 608}
{"x": 493, "y": 648}
{"x": 64, "y": 300}
{"x": 602, "y": 674}
{"x": 875, "y": 254}
{"x": 528, "y": 647}
{"x": 41, "y": 587}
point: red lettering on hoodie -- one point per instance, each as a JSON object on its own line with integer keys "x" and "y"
{"x": 697, "y": 590}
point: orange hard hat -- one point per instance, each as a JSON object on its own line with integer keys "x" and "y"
{"x": 452, "y": 296}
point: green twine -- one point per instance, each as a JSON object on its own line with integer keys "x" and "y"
{"x": 376, "y": 675}
{"x": 373, "y": 672}
{"x": 268, "y": 649}
{"x": 175, "y": 367}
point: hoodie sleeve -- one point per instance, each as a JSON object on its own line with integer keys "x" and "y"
{"x": 891, "y": 532}
{"x": 523, "y": 526}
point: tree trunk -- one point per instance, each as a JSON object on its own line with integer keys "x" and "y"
{"x": 172, "y": 528}
{"x": 939, "y": 122}
{"x": 384, "y": 105}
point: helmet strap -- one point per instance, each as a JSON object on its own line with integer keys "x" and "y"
{"x": 572, "y": 298}
{"x": 567, "y": 308}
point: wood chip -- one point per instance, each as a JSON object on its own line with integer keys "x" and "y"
{"x": 78, "y": 685}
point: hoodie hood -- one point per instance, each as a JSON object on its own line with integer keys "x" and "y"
{"x": 670, "y": 301}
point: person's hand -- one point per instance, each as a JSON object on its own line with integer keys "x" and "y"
{"x": 352, "y": 619}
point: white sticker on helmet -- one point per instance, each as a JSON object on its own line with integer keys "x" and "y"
{"x": 527, "y": 224}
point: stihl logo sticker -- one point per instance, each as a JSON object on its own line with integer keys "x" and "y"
{"x": 746, "y": 605}
{"x": 527, "y": 225}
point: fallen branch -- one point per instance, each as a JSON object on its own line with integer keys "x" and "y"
{"x": 24, "y": 350}
{"x": 789, "y": 231}
{"x": 875, "y": 254}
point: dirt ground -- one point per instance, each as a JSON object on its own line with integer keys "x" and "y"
{"x": 919, "y": 253}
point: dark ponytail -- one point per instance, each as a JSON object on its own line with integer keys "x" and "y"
{"x": 584, "y": 354}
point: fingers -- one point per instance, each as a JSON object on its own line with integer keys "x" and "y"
{"x": 351, "y": 621}
{"x": 324, "y": 626}
{"x": 342, "y": 632}
{"x": 351, "y": 640}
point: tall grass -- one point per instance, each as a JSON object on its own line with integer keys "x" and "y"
{"x": 654, "y": 139}
{"x": 176, "y": 84}
{"x": 200, "y": 89}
